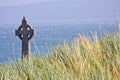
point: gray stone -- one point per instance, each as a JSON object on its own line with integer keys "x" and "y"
{"x": 25, "y": 33}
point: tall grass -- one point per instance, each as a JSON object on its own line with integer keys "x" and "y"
{"x": 83, "y": 59}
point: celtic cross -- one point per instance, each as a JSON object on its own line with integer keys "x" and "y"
{"x": 25, "y": 33}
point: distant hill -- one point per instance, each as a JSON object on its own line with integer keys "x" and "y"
{"x": 59, "y": 11}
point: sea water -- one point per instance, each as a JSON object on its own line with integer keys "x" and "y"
{"x": 47, "y": 36}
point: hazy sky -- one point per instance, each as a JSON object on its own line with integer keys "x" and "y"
{"x": 21, "y": 2}
{"x": 43, "y": 10}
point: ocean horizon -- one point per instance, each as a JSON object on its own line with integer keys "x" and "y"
{"x": 49, "y": 35}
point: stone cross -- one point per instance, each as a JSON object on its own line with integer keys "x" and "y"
{"x": 25, "y": 33}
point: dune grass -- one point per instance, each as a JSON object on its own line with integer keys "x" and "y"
{"x": 83, "y": 59}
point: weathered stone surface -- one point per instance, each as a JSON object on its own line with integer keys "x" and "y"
{"x": 25, "y": 33}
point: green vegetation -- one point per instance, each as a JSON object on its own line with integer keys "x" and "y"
{"x": 83, "y": 59}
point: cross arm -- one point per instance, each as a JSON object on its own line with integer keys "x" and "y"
{"x": 31, "y": 32}
{"x": 18, "y": 32}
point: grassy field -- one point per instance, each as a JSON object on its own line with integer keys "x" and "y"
{"x": 83, "y": 59}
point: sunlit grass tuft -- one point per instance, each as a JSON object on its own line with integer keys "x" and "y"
{"x": 83, "y": 59}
